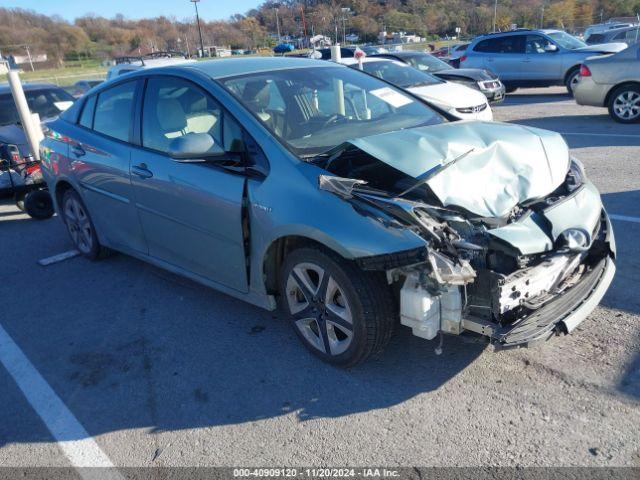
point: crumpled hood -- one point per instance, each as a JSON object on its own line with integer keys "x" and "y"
{"x": 504, "y": 165}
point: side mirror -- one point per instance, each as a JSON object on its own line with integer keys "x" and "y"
{"x": 4, "y": 164}
{"x": 550, "y": 48}
{"x": 194, "y": 148}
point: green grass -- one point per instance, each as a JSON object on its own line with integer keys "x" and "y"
{"x": 64, "y": 76}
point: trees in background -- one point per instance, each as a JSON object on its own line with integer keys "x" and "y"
{"x": 92, "y": 36}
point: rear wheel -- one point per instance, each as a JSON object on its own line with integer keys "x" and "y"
{"x": 624, "y": 104}
{"x": 340, "y": 313}
{"x": 79, "y": 225}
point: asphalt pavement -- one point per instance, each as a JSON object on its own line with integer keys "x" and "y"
{"x": 153, "y": 369}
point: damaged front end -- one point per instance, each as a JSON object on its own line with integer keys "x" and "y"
{"x": 517, "y": 244}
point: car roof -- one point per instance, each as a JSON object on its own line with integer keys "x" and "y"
{"x": 354, "y": 61}
{"x": 28, "y": 87}
{"x": 230, "y": 67}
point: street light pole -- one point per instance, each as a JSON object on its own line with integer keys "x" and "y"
{"x": 495, "y": 14}
{"x": 195, "y": 3}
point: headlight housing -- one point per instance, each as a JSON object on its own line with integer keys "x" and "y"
{"x": 576, "y": 175}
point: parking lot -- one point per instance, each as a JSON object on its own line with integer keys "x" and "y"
{"x": 157, "y": 370}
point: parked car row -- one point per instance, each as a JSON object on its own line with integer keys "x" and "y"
{"x": 533, "y": 58}
{"x": 353, "y": 203}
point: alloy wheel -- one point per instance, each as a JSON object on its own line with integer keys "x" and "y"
{"x": 320, "y": 308}
{"x": 627, "y": 105}
{"x": 78, "y": 224}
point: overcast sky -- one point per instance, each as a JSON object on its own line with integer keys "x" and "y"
{"x": 70, "y": 9}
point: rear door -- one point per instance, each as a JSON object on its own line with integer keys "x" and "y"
{"x": 99, "y": 154}
{"x": 502, "y": 55}
{"x": 191, "y": 213}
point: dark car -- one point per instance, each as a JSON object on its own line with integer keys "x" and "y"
{"x": 20, "y": 175}
{"x": 283, "y": 48}
{"x": 82, "y": 86}
{"x": 44, "y": 99}
{"x": 484, "y": 80}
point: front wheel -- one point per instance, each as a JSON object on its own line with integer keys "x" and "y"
{"x": 341, "y": 313}
{"x": 624, "y": 104}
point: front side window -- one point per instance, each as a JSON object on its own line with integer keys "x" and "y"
{"x": 114, "y": 111}
{"x": 536, "y": 44}
{"x": 174, "y": 107}
{"x": 326, "y": 106}
{"x": 401, "y": 75}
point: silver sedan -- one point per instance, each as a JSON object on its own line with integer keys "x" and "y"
{"x": 614, "y": 82}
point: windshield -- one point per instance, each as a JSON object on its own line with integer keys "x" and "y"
{"x": 312, "y": 110}
{"x": 399, "y": 74}
{"x": 427, "y": 63}
{"x": 46, "y": 103}
{"x": 566, "y": 41}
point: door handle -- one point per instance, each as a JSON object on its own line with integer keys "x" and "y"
{"x": 141, "y": 171}
{"x": 78, "y": 151}
{"x": 526, "y": 60}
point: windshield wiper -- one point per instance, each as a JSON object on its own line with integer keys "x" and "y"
{"x": 432, "y": 172}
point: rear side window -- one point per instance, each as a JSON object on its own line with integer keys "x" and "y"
{"x": 114, "y": 111}
{"x": 509, "y": 44}
{"x": 86, "y": 119}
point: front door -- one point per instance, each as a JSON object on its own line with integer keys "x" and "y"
{"x": 191, "y": 213}
{"x": 538, "y": 64}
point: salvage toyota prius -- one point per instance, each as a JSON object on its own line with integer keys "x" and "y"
{"x": 350, "y": 202}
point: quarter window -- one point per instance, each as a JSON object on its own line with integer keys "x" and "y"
{"x": 174, "y": 107}
{"x": 114, "y": 111}
{"x": 86, "y": 119}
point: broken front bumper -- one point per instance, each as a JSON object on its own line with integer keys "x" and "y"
{"x": 428, "y": 314}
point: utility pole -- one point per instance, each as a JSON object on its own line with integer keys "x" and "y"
{"x": 30, "y": 60}
{"x": 542, "y": 17}
{"x": 277, "y": 24}
{"x": 495, "y": 14}
{"x": 195, "y": 3}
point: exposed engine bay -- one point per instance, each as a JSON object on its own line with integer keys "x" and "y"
{"x": 510, "y": 229}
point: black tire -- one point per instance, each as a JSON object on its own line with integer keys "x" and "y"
{"x": 38, "y": 204}
{"x": 618, "y": 95}
{"x": 363, "y": 297}
{"x": 86, "y": 240}
{"x": 20, "y": 201}
{"x": 570, "y": 79}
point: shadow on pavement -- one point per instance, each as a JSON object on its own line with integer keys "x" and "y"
{"x": 520, "y": 97}
{"x": 127, "y": 346}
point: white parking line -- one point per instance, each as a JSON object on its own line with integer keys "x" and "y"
{"x": 624, "y": 218}
{"x": 58, "y": 258}
{"x": 81, "y": 450}
{"x": 621, "y": 135}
